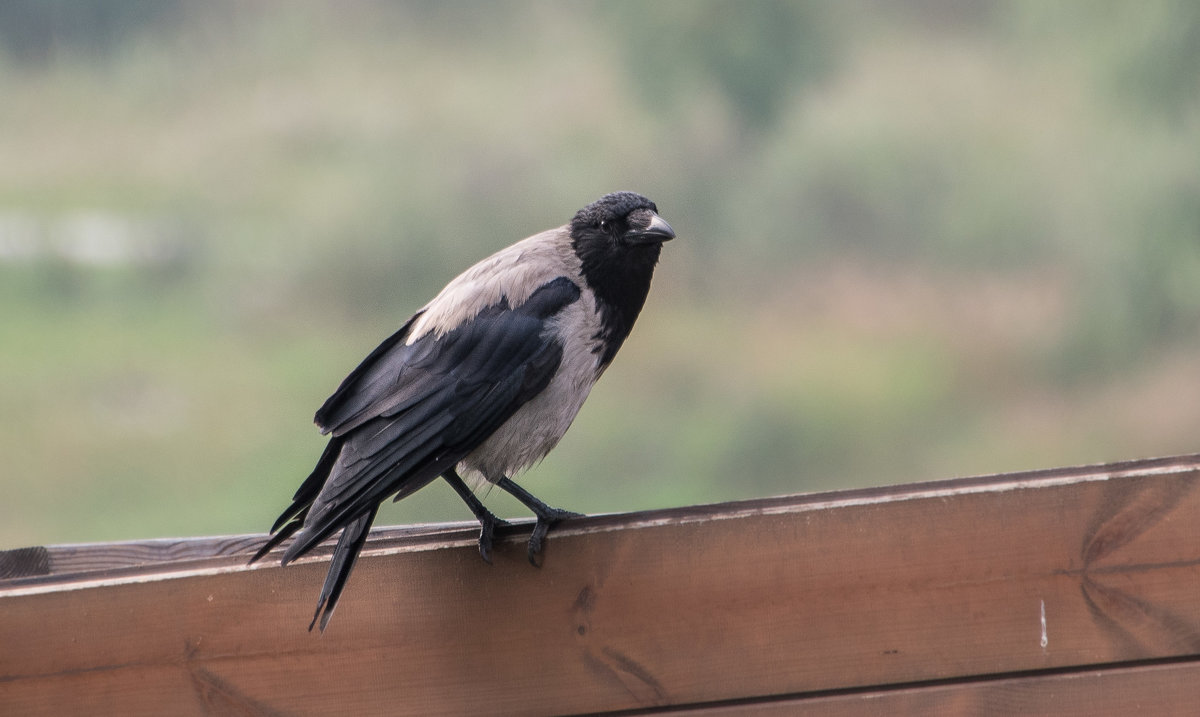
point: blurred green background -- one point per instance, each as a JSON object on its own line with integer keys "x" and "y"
{"x": 917, "y": 240}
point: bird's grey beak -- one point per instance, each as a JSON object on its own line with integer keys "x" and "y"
{"x": 655, "y": 232}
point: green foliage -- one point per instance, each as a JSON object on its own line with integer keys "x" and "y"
{"x": 1147, "y": 55}
{"x": 916, "y": 239}
{"x": 758, "y": 54}
{"x": 34, "y": 32}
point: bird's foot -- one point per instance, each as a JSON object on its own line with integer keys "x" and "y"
{"x": 487, "y": 521}
{"x": 487, "y": 531}
{"x": 546, "y": 519}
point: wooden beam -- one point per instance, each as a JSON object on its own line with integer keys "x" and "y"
{"x": 1152, "y": 689}
{"x": 1028, "y": 574}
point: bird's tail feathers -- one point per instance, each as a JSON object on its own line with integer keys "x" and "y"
{"x": 311, "y": 487}
{"x": 344, "y": 555}
{"x": 277, "y": 538}
{"x": 292, "y": 519}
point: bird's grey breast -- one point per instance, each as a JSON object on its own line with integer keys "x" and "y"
{"x": 537, "y": 426}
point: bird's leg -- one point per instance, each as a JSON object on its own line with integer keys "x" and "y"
{"x": 547, "y": 517}
{"x": 487, "y": 520}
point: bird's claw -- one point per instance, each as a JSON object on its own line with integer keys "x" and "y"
{"x": 487, "y": 531}
{"x": 546, "y": 521}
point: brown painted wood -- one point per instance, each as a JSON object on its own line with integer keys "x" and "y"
{"x": 58, "y": 563}
{"x": 785, "y": 596}
{"x": 43, "y": 565}
{"x": 1158, "y": 690}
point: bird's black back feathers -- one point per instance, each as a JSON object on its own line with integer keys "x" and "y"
{"x": 355, "y": 392}
{"x": 446, "y": 394}
{"x": 415, "y": 410}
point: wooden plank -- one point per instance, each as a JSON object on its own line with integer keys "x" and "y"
{"x": 57, "y": 563}
{"x": 53, "y": 564}
{"x": 1161, "y": 690}
{"x": 717, "y": 603}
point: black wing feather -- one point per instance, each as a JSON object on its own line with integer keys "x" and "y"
{"x": 366, "y": 383}
{"x": 468, "y": 389}
{"x": 410, "y": 412}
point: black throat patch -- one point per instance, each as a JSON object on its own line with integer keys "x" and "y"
{"x": 620, "y": 278}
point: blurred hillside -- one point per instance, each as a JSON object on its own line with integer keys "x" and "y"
{"x": 917, "y": 240}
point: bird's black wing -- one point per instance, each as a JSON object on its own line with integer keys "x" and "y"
{"x": 367, "y": 383}
{"x": 411, "y": 411}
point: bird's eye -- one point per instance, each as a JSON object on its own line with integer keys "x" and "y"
{"x": 603, "y": 225}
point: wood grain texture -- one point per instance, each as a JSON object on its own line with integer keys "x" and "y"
{"x": 786, "y": 596}
{"x": 1160, "y": 690}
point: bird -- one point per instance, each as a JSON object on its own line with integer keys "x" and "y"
{"x": 480, "y": 382}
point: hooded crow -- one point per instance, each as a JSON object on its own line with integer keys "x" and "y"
{"x": 481, "y": 382}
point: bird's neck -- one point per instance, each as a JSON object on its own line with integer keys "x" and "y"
{"x": 620, "y": 294}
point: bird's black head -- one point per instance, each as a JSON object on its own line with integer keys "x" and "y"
{"x": 621, "y": 220}
{"x": 618, "y": 238}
